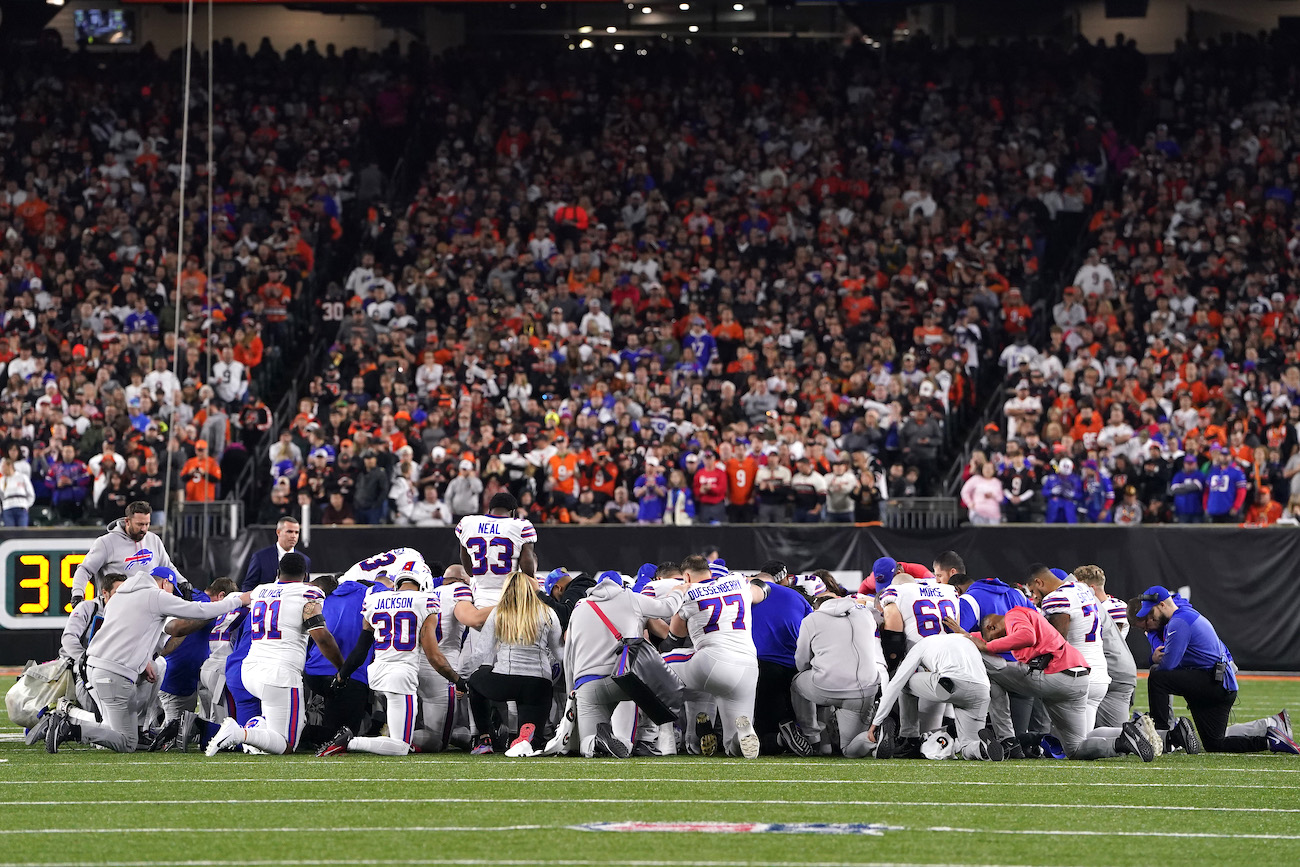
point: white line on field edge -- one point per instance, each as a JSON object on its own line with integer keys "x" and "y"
{"x": 518, "y": 780}
{"x": 482, "y": 862}
{"x": 713, "y": 801}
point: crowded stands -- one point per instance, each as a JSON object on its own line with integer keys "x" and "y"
{"x": 1167, "y": 384}
{"x": 626, "y": 300}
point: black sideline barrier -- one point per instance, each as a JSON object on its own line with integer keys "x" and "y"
{"x": 1242, "y": 579}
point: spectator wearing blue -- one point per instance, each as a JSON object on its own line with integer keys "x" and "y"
{"x": 1188, "y": 491}
{"x": 651, "y": 491}
{"x": 1225, "y": 488}
{"x": 1193, "y": 662}
{"x": 346, "y": 705}
{"x": 775, "y": 627}
{"x": 1063, "y": 491}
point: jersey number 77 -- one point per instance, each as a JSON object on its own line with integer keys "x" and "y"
{"x": 495, "y": 555}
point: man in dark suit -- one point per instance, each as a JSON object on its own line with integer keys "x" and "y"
{"x": 264, "y": 564}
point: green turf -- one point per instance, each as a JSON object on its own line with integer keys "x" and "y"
{"x": 168, "y": 808}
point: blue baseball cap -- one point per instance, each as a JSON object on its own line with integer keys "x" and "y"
{"x": 644, "y": 576}
{"x": 610, "y": 575}
{"x": 553, "y": 577}
{"x": 1061, "y": 574}
{"x": 883, "y": 570}
{"x": 1151, "y": 597}
{"x": 165, "y": 573}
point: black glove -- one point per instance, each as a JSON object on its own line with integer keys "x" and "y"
{"x": 338, "y": 683}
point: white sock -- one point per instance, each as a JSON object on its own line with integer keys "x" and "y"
{"x": 78, "y": 715}
{"x": 258, "y": 734}
{"x": 379, "y": 746}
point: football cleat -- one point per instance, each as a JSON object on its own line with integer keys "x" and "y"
{"x": 749, "y": 743}
{"x": 228, "y": 736}
{"x": 1147, "y": 726}
{"x": 1280, "y": 742}
{"x": 794, "y": 739}
{"x": 887, "y": 739}
{"x": 36, "y": 733}
{"x": 990, "y": 747}
{"x": 1132, "y": 740}
{"x": 526, "y": 732}
{"x": 708, "y": 737}
{"x": 1011, "y": 749}
{"x": 1184, "y": 736}
{"x": 644, "y": 749}
{"x": 58, "y": 730}
{"x": 483, "y": 747}
{"x": 187, "y": 731}
{"x": 607, "y": 744}
{"x": 337, "y": 744}
{"x": 1283, "y": 721}
{"x": 166, "y": 736}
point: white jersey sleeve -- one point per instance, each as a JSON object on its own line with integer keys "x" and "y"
{"x": 397, "y": 619}
{"x": 494, "y": 545}
{"x": 450, "y": 631}
{"x": 385, "y": 564}
{"x": 717, "y": 615}
{"x": 923, "y": 605}
{"x": 278, "y": 645}
{"x": 1118, "y": 611}
{"x": 220, "y": 637}
{"x": 1085, "y": 633}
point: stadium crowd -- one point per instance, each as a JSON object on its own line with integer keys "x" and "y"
{"x": 1168, "y": 386}
{"x": 688, "y": 657}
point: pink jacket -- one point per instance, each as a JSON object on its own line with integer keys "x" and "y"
{"x": 983, "y": 496}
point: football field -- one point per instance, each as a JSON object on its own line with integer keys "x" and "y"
{"x": 89, "y": 806}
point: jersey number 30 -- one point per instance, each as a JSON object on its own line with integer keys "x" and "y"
{"x": 397, "y": 631}
{"x": 495, "y": 555}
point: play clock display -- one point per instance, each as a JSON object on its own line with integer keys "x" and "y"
{"x": 37, "y": 586}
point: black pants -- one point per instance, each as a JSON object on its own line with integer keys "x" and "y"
{"x": 343, "y": 707}
{"x": 1209, "y": 703}
{"x": 531, "y": 694}
{"x": 772, "y": 704}
{"x": 1227, "y": 518}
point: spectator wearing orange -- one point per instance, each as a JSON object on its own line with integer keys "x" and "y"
{"x": 741, "y": 472}
{"x": 1265, "y": 511}
{"x": 201, "y": 474}
{"x": 562, "y": 473}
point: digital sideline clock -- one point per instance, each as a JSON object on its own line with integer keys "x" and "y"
{"x": 37, "y": 583}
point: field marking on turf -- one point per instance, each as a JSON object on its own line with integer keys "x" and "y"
{"x": 483, "y": 862}
{"x": 416, "y": 760}
{"x": 1044, "y": 832}
{"x": 713, "y": 801}
{"x": 1026, "y": 832}
{"x": 517, "y": 780}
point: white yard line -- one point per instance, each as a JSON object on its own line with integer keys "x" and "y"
{"x": 999, "y": 805}
{"x": 589, "y": 780}
{"x": 485, "y": 862}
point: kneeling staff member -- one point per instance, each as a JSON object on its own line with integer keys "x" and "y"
{"x": 119, "y": 654}
{"x": 839, "y": 662}
{"x": 954, "y": 675}
{"x": 591, "y": 654}
{"x": 1047, "y": 667}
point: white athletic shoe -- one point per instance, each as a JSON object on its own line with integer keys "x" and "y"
{"x": 522, "y": 750}
{"x": 1147, "y": 727}
{"x": 226, "y": 736}
{"x": 748, "y": 737}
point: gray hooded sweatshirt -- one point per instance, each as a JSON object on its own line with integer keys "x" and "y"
{"x": 589, "y": 648}
{"x": 115, "y": 551}
{"x": 837, "y": 642}
{"x": 133, "y": 622}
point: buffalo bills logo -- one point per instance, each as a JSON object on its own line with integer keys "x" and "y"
{"x": 139, "y": 558}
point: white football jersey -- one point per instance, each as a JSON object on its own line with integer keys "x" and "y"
{"x": 219, "y": 639}
{"x": 494, "y": 545}
{"x": 397, "y": 619}
{"x": 388, "y": 563}
{"x": 1118, "y": 611}
{"x": 717, "y": 616}
{"x": 923, "y": 604}
{"x": 1085, "y": 633}
{"x": 659, "y": 586}
{"x": 450, "y": 631}
{"x": 278, "y": 646}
